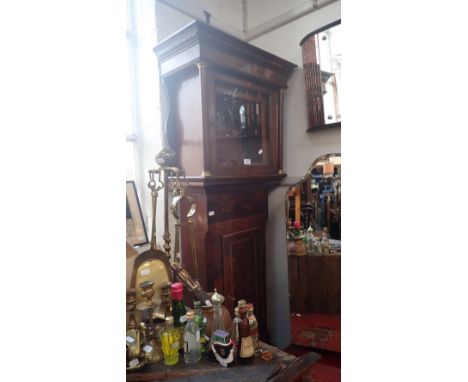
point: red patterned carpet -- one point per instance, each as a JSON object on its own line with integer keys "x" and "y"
{"x": 317, "y": 330}
{"x": 320, "y": 333}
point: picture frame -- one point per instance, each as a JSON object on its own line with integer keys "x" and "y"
{"x": 136, "y": 228}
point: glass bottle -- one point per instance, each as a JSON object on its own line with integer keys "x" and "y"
{"x": 200, "y": 320}
{"x": 325, "y": 241}
{"x": 318, "y": 247}
{"x": 310, "y": 239}
{"x": 245, "y": 353}
{"x": 235, "y": 327}
{"x": 217, "y": 299}
{"x": 253, "y": 325}
{"x": 192, "y": 349}
{"x": 178, "y": 309}
{"x": 241, "y": 304}
{"x": 170, "y": 340}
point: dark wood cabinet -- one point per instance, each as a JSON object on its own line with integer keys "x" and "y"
{"x": 225, "y": 124}
{"x": 315, "y": 283}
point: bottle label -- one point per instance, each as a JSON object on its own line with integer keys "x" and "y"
{"x": 130, "y": 340}
{"x": 208, "y": 303}
{"x": 148, "y": 349}
{"x": 247, "y": 349}
{"x": 183, "y": 318}
{"x": 190, "y": 341}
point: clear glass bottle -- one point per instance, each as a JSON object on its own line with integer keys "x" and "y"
{"x": 318, "y": 247}
{"x": 192, "y": 349}
{"x": 310, "y": 239}
{"x": 178, "y": 309}
{"x": 235, "y": 327}
{"x": 217, "y": 299}
{"x": 325, "y": 241}
{"x": 201, "y": 322}
{"x": 170, "y": 340}
{"x": 253, "y": 325}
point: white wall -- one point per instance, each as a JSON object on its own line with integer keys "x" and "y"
{"x": 259, "y": 11}
{"x": 225, "y": 15}
{"x": 169, "y": 20}
{"x": 284, "y": 41}
{"x": 226, "y": 11}
{"x": 300, "y": 149}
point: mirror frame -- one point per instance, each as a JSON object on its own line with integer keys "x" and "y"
{"x": 314, "y": 125}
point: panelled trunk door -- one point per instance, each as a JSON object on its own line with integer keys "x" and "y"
{"x": 243, "y": 267}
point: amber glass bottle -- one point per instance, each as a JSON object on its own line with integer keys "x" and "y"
{"x": 253, "y": 325}
{"x": 245, "y": 352}
{"x": 235, "y": 328}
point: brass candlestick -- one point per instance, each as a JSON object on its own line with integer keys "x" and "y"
{"x": 148, "y": 293}
{"x": 152, "y": 348}
{"x": 131, "y": 306}
{"x": 155, "y": 354}
{"x": 164, "y": 309}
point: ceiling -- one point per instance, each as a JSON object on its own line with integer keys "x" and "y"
{"x": 247, "y": 19}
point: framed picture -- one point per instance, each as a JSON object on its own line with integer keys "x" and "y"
{"x": 136, "y": 229}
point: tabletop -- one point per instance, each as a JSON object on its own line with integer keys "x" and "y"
{"x": 282, "y": 367}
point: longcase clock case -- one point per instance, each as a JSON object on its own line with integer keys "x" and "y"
{"x": 225, "y": 123}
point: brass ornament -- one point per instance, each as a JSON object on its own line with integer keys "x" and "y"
{"x": 164, "y": 308}
{"x": 133, "y": 343}
{"x": 131, "y": 306}
{"x": 148, "y": 293}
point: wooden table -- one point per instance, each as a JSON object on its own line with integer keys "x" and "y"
{"x": 206, "y": 371}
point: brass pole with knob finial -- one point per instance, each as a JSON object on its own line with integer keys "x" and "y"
{"x": 154, "y": 187}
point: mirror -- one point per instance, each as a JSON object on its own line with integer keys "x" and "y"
{"x": 321, "y": 55}
{"x": 313, "y": 208}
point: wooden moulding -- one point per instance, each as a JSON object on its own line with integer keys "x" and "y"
{"x": 200, "y": 42}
